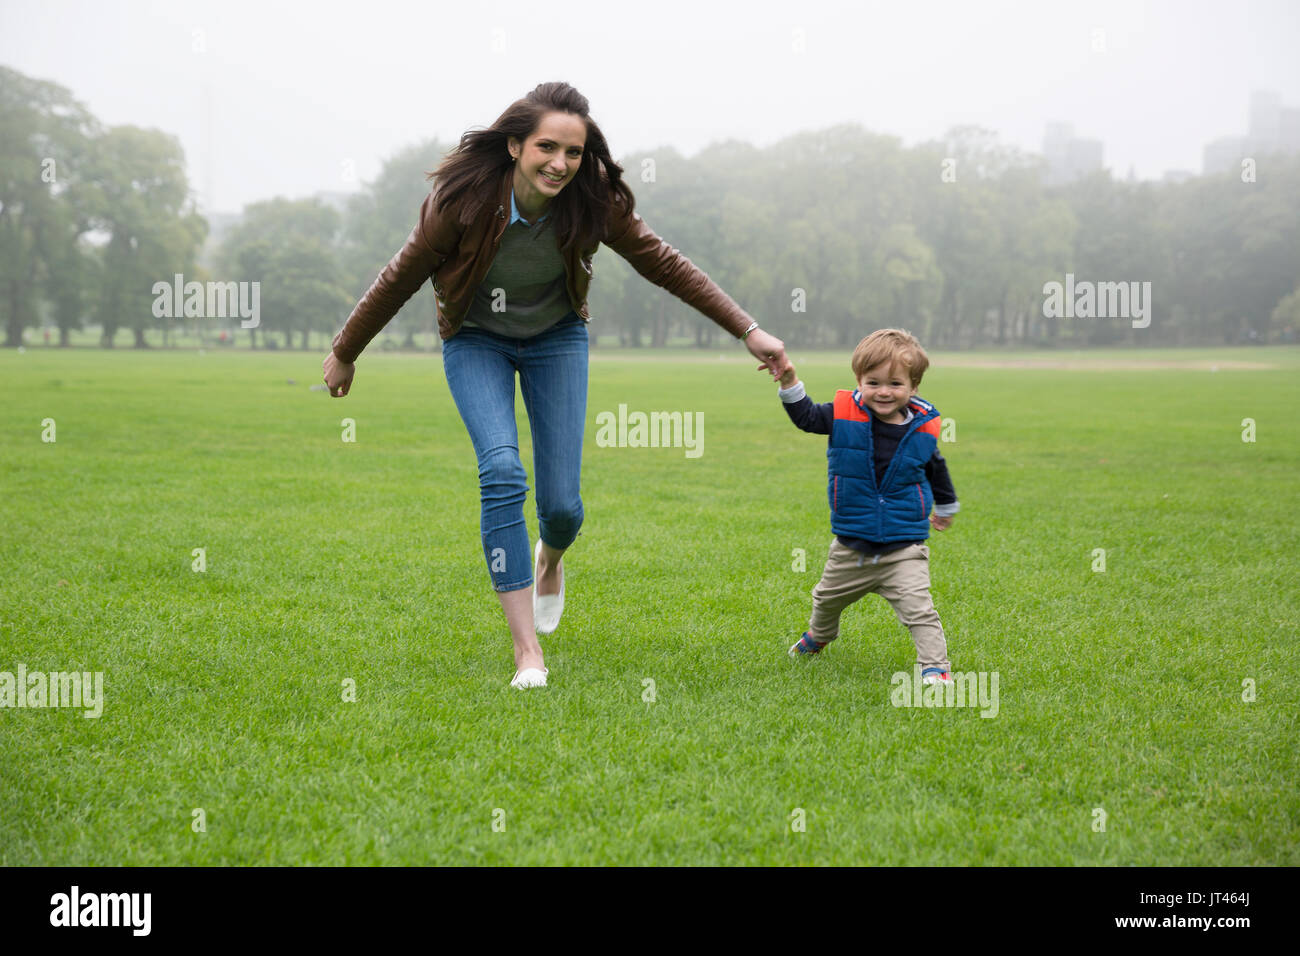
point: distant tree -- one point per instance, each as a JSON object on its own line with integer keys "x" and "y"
{"x": 44, "y": 140}
{"x": 1267, "y": 227}
{"x": 1037, "y": 235}
{"x": 910, "y": 278}
{"x": 376, "y": 224}
{"x": 290, "y": 248}
{"x": 1286, "y": 317}
{"x": 140, "y": 199}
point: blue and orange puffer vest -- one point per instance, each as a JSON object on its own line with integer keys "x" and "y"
{"x": 898, "y": 510}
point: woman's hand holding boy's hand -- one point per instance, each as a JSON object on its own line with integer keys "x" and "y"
{"x": 769, "y": 350}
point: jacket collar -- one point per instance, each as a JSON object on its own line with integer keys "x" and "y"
{"x": 515, "y": 215}
{"x": 497, "y": 204}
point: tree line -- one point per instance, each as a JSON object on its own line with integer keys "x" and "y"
{"x": 822, "y": 237}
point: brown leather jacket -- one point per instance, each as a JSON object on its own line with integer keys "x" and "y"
{"x": 456, "y": 252}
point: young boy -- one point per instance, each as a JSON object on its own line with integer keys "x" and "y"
{"x": 885, "y": 471}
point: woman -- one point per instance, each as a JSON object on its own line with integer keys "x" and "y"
{"x": 507, "y": 235}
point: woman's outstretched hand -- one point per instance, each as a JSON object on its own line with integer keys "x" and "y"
{"x": 338, "y": 375}
{"x": 769, "y": 350}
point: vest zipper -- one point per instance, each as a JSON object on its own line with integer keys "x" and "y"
{"x": 893, "y": 462}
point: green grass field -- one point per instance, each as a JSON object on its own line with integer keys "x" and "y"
{"x": 327, "y": 561}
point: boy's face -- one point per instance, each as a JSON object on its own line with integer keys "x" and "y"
{"x": 885, "y": 390}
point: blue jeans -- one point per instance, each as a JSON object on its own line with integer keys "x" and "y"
{"x": 552, "y": 366}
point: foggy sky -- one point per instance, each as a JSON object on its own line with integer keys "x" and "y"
{"x": 290, "y": 99}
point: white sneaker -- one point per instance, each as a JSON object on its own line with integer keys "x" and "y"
{"x": 529, "y": 677}
{"x": 547, "y": 608}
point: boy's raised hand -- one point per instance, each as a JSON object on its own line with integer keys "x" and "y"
{"x": 788, "y": 377}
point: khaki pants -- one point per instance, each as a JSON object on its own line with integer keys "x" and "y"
{"x": 901, "y": 577}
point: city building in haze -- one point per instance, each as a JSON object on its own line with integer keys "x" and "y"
{"x": 1272, "y": 129}
{"x": 1069, "y": 157}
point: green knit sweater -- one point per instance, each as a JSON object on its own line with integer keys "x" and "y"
{"x": 524, "y": 291}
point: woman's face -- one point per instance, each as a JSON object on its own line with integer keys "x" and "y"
{"x": 548, "y": 159}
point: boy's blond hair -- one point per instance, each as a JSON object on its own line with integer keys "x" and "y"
{"x": 894, "y": 346}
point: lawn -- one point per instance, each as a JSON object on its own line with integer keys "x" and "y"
{"x": 1157, "y": 696}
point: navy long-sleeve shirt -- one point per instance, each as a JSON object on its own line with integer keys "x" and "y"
{"x": 817, "y": 419}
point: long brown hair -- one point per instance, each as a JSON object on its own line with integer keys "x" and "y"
{"x": 473, "y": 169}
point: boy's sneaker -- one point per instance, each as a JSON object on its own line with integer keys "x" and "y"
{"x": 805, "y": 645}
{"x": 932, "y": 675}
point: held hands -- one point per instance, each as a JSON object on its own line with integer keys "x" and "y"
{"x": 788, "y": 378}
{"x": 940, "y": 524}
{"x": 338, "y": 375}
{"x": 769, "y": 350}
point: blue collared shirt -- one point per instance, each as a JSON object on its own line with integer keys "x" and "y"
{"x": 514, "y": 212}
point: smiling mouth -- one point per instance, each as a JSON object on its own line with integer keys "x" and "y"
{"x": 552, "y": 180}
